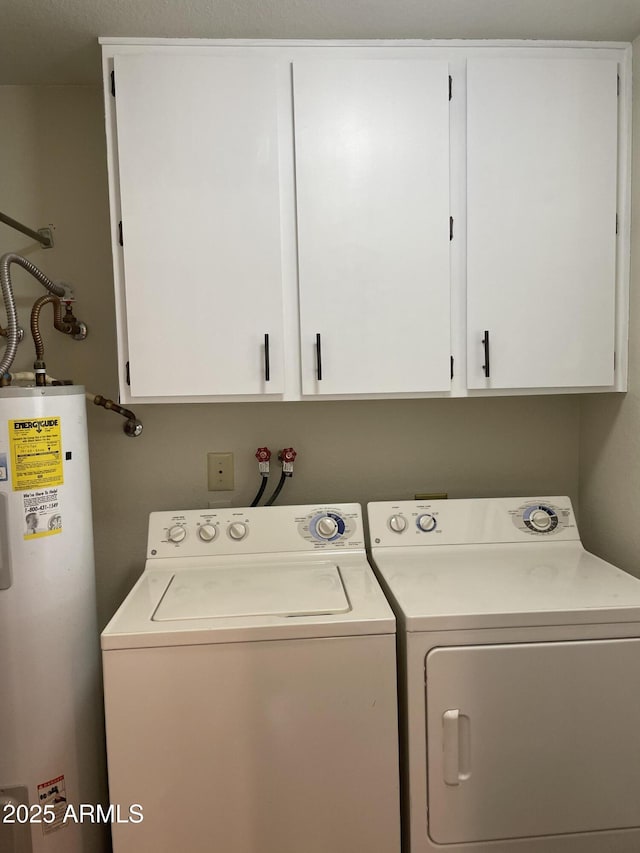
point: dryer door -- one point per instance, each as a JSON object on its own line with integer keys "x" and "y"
{"x": 533, "y": 739}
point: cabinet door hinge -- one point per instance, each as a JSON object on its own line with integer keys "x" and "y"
{"x": 618, "y": 85}
{"x": 614, "y": 361}
{"x": 113, "y": 83}
{"x": 127, "y": 374}
{"x": 452, "y": 367}
{"x": 120, "y": 233}
{"x": 616, "y": 223}
{"x": 450, "y": 87}
{"x": 451, "y": 228}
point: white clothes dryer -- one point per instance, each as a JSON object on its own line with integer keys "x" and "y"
{"x": 250, "y": 688}
{"x": 520, "y": 678}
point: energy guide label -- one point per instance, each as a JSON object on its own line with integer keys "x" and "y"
{"x": 36, "y": 453}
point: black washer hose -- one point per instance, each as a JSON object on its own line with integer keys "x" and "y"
{"x": 277, "y": 489}
{"x": 260, "y": 492}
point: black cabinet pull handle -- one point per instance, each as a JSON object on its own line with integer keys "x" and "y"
{"x": 486, "y": 366}
{"x": 319, "y": 356}
{"x": 267, "y": 367}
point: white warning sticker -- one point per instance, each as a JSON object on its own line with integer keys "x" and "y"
{"x": 42, "y": 513}
{"x": 54, "y": 795}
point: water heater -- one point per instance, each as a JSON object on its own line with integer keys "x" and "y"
{"x": 51, "y": 727}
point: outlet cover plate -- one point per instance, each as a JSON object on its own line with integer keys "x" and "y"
{"x": 220, "y": 472}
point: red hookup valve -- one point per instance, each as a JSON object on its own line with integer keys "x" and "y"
{"x": 287, "y": 457}
{"x": 263, "y": 455}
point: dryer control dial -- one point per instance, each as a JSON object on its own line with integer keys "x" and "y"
{"x": 207, "y": 532}
{"x": 427, "y": 522}
{"x": 540, "y": 518}
{"x": 397, "y": 523}
{"x": 176, "y": 533}
{"x": 237, "y": 530}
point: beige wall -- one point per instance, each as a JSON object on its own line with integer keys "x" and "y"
{"x": 610, "y": 424}
{"x": 53, "y": 169}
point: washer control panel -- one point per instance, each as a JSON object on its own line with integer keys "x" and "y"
{"x": 196, "y": 531}
{"x": 254, "y": 530}
{"x": 472, "y": 520}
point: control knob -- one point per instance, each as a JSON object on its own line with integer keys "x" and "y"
{"x": 207, "y": 532}
{"x": 176, "y": 533}
{"x": 398, "y": 523}
{"x": 427, "y": 522}
{"x": 540, "y": 520}
{"x": 326, "y": 527}
{"x": 237, "y": 530}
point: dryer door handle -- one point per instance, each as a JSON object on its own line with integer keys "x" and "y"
{"x": 456, "y": 747}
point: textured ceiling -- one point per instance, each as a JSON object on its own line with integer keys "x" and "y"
{"x": 54, "y": 41}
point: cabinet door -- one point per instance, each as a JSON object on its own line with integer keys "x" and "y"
{"x": 541, "y": 265}
{"x": 198, "y": 165}
{"x": 372, "y": 183}
{"x": 532, "y": 739}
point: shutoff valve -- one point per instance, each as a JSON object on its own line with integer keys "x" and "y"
{"x": 263, "y": 455}
{"x": 287, "y": 457}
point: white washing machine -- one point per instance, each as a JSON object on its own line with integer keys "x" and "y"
{"x": 520, "y": 678}
{"x": 250, "y": 688}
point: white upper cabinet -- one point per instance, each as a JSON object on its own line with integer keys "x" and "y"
{"x": 542, "y": 160}
{"x": 198, "y": 167}
{"x": 372, "y": 189}
{"x": 325, "y": 220}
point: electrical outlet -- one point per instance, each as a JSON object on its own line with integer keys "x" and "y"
{"x": 220, "y": 472}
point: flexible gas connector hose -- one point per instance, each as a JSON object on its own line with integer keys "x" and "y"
{"x": 58, "y": 322}
{"x": 13, "y": 335}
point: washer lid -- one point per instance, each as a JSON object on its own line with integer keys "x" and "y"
{"x": 251, "y": 598}
{"x": 226, "y": 591}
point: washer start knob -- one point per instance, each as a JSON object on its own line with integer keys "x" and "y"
{"x": 237, "y": 530}
{"x": 176, "y": 533}
{"x": 427, "y": 522}
{"x": 326, "y": 527}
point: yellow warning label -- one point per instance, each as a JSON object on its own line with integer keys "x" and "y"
{"x": 36, "y": 453}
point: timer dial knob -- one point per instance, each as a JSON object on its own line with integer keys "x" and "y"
{"x": 238, "y": 530}
{"x": 176, "y": 533}
{"x": 540, "y": 519}
{"x": 207, "y": 532}
{"x": 398, "y": 523}
{"x": 326, "y": 527}
{"x": 427, "y": 522}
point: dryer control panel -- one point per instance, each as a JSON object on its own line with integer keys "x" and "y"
{"x": 471, "y": 521}
{"x": 255, "y": 530}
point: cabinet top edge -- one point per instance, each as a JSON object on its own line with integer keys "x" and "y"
{"x": 449, "y": 43}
